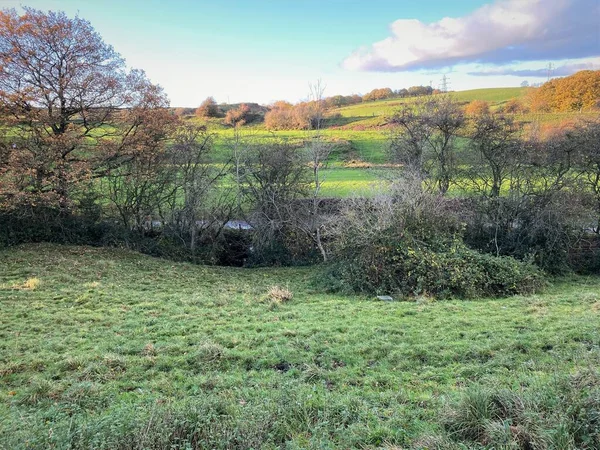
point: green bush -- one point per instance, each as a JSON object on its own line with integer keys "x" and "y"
{"x": 444, "y": 269}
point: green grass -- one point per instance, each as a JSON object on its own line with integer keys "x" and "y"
{"x": 111, "y": 349}
{"x": 368, "y": 145}
{"x": 492, "y": 95}
{"x": 347, "y": 182}
{"x": 363, "y": 113}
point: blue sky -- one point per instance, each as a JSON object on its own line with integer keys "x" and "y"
{"x": 266, "y": 50}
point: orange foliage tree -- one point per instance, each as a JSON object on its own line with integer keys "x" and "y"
{"x": 285, "y": 116}
{"x": 70, "y": 111}
{"x": 578, "y": 92}
{"x": 238, "y": 116}
{"x": 208, "y": 108}
{"x": 477, "y": 108}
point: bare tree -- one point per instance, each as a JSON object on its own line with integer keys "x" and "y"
{"x": 273, "y": 177}
{"x": 496, "y": 149}
{"x": 141, "y": 189}
{"x": 587, "y": 161}
{"x": 200, "y": 206}
{"x": 424, "y": 138}
{"x": 313, "y": 220}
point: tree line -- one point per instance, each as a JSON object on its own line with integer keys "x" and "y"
{"x": 283, "y": 115}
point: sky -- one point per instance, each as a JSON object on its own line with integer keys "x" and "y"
{"x": 267, "y": 50}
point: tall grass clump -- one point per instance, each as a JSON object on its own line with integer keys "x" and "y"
{"x": 564, "y": 414}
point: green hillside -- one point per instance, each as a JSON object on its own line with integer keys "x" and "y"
{"x": 495, "y": 96}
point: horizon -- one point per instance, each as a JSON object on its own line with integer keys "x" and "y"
{"x": 265, "y": 51}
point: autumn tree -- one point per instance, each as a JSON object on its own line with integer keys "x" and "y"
{"x": 280, "y": 116}
{"x": 208, "y": 108}
{"x": 578, "y": 92}
{"x": 419, "y": 91}
{"x": 477, "y": 108}
{"x": 71, "y": 111}
{"x": 237, "y": 116}
{"x": 302, "y": 116}
{"x": 378, "y": 94}
{"x": 514, "y": 106}
{"x": 341, "y": 100}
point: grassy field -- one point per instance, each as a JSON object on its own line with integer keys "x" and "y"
{"x": 108, "y": 349}
{"x": 494, "y": 96}
{"x": 359, "y": 133}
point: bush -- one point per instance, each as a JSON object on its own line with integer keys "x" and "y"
{"x": 543, "y": 230}
{"x": 208, "y": 108}
{"x": 477, "y": 108}
{"x": 448, "y": 269}
{"x": 238, "y": 116}
{"x": 410, "y": 243}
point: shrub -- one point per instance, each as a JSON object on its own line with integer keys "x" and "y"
{"x": 238, "y": 116}
{"x": 443, "y": 270}
{"x": 477, "y": 108}
{"x": 514, "y": 106}
{"x": 410, "y": 243}
{"x": 208, "y": 108}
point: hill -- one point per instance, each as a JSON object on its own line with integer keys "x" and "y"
{"x": 105, "y": 348}
{"x": 368, "y": 110}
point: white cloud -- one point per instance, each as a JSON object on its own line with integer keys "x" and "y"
{"x": 501, "y": 32}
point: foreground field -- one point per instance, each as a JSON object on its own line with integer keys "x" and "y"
{"x": 103, "y": 348}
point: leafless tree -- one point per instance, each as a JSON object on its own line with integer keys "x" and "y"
{"x": 314, "y": 219}
{"x": 424, "y": 138}
{"x": 272, "y": 178}
{"x": 586, "y": 139}
{"x": 495, "y": 152}
{"x": 201, "y": 206}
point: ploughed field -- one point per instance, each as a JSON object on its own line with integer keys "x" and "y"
{"x": 106, "y": 348}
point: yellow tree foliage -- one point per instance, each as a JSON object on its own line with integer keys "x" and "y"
{"x": 477, "y": 108}
{"x": 578, "y": 92}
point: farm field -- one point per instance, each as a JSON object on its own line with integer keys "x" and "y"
{"x": 109, "y": 349}
{"x": 495, "y": 96}
{"x": 359, "y": 134}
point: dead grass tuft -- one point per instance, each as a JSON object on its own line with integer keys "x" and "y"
{"x": 278, "y": 295}
{"x": 31, "y": 284}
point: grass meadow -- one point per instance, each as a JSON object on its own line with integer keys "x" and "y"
{"x": 109, "y": 349}
{"x": 360, "y": 137}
